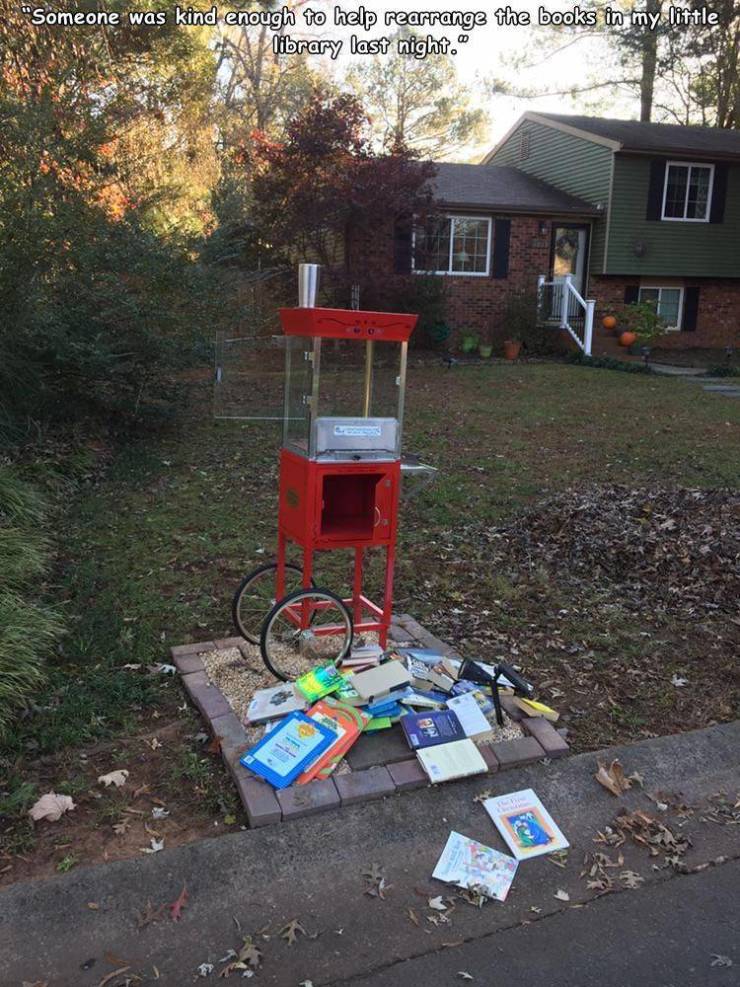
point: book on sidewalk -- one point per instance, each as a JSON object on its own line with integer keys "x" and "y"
{"x": 271, "y": 704}
{"x": 288, "y": 749}
{"x": 525, "y": 824}
{"x": 470, "y": 864}
{"x": 347, "y": 722}
{"x": 446, "y": 762}
{"x": 431, "y": 728}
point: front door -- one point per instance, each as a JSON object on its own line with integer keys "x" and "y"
{"x": 568, "y": 257}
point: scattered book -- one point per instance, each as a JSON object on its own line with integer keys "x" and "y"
{"x": 347, "y": 722}
{"x": 439, "y": 677}
{"x": 525, "y": 824}
{"x": 434, "y": 727}
{"x": 347, "y": 693}
{"x": 378, "y": 723}
{"x": 427, "y": 656}
{"x": 271, "y": 704}
{"x": 470, "y": 715}
{"x": 420, "y": 676}
{"x": 426, "y": 699}
{"x": 482, "y": 697}
{"x": 288, "y": 749}
{"x": 469, "y": 864}
{"x": 452, "y": 667}
{"x": 532, "y": 708}
{"x": 378, "y": 682}
{"x": 319, "y": 682}
{"x": 445, "y": 762}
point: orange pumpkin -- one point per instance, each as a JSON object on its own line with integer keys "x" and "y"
{"x": 609, "y": 322}
{"x": 627, "y": 338}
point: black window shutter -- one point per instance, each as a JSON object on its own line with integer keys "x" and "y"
{"x": 631, "y": 294}
{"x": 501, "y": 241}
{"x": 719, "y": 194}
{"x": 655, "y": 189}
{"x": 690, "y": 309}
{"x": 402, "y": 238}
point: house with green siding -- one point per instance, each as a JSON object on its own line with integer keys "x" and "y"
{"x": 624, "y": 211}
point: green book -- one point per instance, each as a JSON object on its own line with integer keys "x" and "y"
{"x": 378, "y": 723}
{"x": 319, "y": 682}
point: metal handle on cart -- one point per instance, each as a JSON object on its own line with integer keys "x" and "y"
{"x": 412, "y": 466}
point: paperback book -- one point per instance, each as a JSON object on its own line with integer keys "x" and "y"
{"x": 532, "y": 708}
{"x": 469, "y": 864}
{"x": 347, "y": 724}
{"x": 286, "y": 751}
{"x": 319, "y": 682}
{"x": 432, "y": 728}
{"x": 483, "y": 699}
{"x": 271, "y": 704}
{"x": 423, "y": 698}
{"x": 446, "y": 762}
{"x": 525, "y": 824}
{"x": 378, "y": 682}
{"x": 469, "y": 713}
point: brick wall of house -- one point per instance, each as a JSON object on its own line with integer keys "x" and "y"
{"x": 718, "y": 318}
{"x": 474, "y": 303}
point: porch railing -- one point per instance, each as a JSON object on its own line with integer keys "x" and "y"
{"x": 559, "y": 302}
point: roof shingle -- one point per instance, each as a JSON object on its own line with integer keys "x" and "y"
{"x": 505, "y": 189}
{"x": 660, "y": 137}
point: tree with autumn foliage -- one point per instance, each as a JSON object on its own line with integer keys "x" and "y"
{"x": 323, "y": 192}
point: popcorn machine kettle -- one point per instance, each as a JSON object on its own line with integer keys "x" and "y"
{"x": 340, "y": 477}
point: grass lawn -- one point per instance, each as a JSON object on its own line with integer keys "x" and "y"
{"x": 150, "y": 555}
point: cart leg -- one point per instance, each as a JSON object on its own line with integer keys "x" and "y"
{"x": 307, "y": 576}
{"x": 390, "y": 561}
{"x": 280, "y": 573}
{"x": 357, "y": 586}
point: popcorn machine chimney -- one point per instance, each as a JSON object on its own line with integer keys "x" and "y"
{"x": 340, "y": 477}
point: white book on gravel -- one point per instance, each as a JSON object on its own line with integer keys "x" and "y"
{"x": 271, "y": 704}
{"x": 445, "y": 762}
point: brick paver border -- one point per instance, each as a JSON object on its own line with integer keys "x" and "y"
{"x": 264, "y": 806}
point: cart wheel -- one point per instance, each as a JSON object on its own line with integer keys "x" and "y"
{"x": 255, "y": 597}
{"x": 326, "y": 637}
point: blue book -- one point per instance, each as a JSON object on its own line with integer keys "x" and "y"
{"x": 386, "y": 709}
{"x": 432, "y": 728}
{"x": 481, "y": 693}
{"x": 287, "y": 750}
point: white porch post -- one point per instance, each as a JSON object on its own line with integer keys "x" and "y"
{"x": 564, "y": 300}
{"x": 588, "y": 328}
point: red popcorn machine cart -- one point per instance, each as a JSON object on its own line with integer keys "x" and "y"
{"x": 340, "y": 479}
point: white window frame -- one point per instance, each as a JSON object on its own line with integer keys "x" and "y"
{"x": 688, "y": 165}
{"x": 666, "y": 287}
{"x": 449, "y": 272}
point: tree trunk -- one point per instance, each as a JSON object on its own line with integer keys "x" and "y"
{"x": 649, "y": 62}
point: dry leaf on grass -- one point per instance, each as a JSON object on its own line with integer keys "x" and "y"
{"x": 613, "y": 778}
{"x": 117, "y": 778}
{"x": 154, "y": 846}
{"x": 51, "y": 806}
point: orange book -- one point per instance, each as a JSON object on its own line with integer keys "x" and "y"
{"x": 347, "y": 722}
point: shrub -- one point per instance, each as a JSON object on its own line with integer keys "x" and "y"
{"x": 642, "y": 318}
{"x": 520, "y": 322}
{"x": 27, "y": 630}
{"x": 607, "y": 363}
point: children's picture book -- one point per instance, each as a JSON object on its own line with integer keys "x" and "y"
{"x": 376, "y": 683}
{"x": 525, "y": 824}
{"x": 469, "y": 713}
{"x": 445, "y": 762}
{"x": 347, "y": 723}
{"x": 431, "y": 728}
{"x": 482, "y": 696}
{"x": 468, "y": 863}
{"x": 347, "y": 693}
{"x": 286, "y": 751}
{"x": 319, "y": 682}
{"x": 271, "y": 704}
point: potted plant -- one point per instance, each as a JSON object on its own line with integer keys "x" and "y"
{"x": 469, "y": 342}
{"x": 485, "y": 348}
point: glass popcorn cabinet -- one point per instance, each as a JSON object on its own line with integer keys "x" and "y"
{"x": 340, "y": 478}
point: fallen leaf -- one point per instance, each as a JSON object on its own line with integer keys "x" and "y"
{"x": 159, "y": 813}
{"x": 149, "y": 914}
{"x": 291, "y": 931}
{"x": 140, "y": 791}
{"x": 51, "y": 806}
{"x": 464, "y": 975}
{"x": 561, "y": 895}
{"x": 413, "y": 916}
{"x": 612, "y": 778}
{"x": 631, "y": 879}
{"x": 438, "y": 904}
{"x": 112, "y": 976}
{"x": 155, "y": 744}
{"x": 718, "y": 960}
{"x": 93, "y": 906}
{"x": 154, "y": 847}
{"x": 205, "y": 969}
{"x": 122, "y": 827}
{"x": 178, "y": 904}
{"x": 117, "y": 778}
{"x": 679, "y": 682}
{"x": 250, "y": 953}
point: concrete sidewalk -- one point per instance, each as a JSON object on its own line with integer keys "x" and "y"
{"x": 664, "y": 933}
